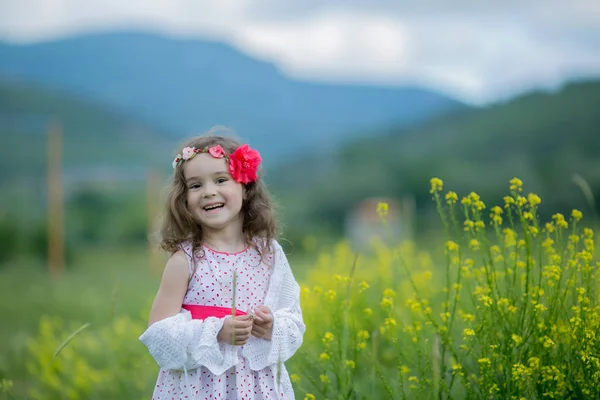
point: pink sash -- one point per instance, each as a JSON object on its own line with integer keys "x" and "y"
{"x": 203, "y": 312}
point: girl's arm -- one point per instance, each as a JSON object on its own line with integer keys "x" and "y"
{"x": 174, "y": 339}
{"x": 172, "y": 288}
{"x": 288, "y": 328}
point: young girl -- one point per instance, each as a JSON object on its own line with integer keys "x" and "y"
{"x": 220, "y": 232}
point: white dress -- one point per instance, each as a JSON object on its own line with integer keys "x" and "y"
{"x": 194, "y": 365}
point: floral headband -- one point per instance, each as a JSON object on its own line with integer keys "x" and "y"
{"x": 243, "y": 162}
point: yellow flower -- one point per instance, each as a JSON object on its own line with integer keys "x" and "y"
{"x": 577, "y": 215}
{"x": 328, "y": 337}
{"x": 588, "y": 233}
{"x": 468, "y": 332}
{"x": 386, "y": 303}
{"x": 382, "y": 209}
{"x": 497, "y": 210}
{"x": 559, "y": 219}
{"x": 479, "y": 205}
{"x": 469, "y": 225}
{"x": 390, "y": 322}
{"x": 451, "y": 246}
{"x": 484, "y": 361}
{"x": 508, "y": 200}
{"x": 413, "y": 379}
{"x": 517, "y": 339}
{"x": 533, "y": 199}
{"x": 528, "y": 215}
{"x": 474, "y": 244}
{"x": 404, "y": 369}
{"x": 368, "y": 311}
{"x": 362, "y": 286}
{"x": 389, "y": 293}
{"x": 436, "y": 185}
{"x": 451, "y": 198}
{"x": 309, "y": 396}
{"x": 516, "y": 184}
{"x": 540, "y": 307}
{"x": 324, "y": 356}
{"x": 295, "y": 378}
{"x": 331, "y": 294}
{"x": 324, "y": 378}
{"x": 549, "y": 227}
{"x": 546, "y": 341}
{"x": 351, "y": 364}
{"x": 362, "y": 334}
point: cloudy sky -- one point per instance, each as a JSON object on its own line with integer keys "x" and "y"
{"x": 476, "y": 50}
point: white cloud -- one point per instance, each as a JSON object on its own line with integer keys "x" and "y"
{"x": 475, "y": 50}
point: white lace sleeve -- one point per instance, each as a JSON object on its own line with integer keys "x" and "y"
{"x": 283, "y": 298}
{"x": 180, "y": 342}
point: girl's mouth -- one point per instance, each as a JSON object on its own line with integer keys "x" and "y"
{"x": 214, "y": 207}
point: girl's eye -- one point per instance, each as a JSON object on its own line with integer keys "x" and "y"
{"x": 221, "y": 180}
{"x": 195, "y": 186}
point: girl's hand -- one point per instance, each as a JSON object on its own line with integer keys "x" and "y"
{"x": 235, "y": 330}
{"x": 263, "y": 323}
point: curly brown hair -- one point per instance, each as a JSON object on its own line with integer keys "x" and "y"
{"x": 259, "y": 226}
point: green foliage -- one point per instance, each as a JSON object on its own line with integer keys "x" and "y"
{"x": 99, "y": 362}
{"x": 512, "y": 313}
{"x": 545, "y": 138}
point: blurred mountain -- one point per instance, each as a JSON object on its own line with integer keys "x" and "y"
{"x": 99, "y": 143}
{"x": 550, "y": 140}
{"x": 188, "y": 86}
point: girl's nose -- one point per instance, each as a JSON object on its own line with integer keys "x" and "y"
{"x": 209, "y": 191}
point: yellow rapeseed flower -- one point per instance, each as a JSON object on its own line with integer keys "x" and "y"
{"x": 295, "y": 378}
{"x": 436, "y": 185}
{"x": 468, "y": 332}
{"x": 527, "y": 215}
{"x": 350, "y": 364}
{"x": 451, "y": 198}
{"x": 484, "y": 361}
{"x": 474, "y": 244}
{"x": 324, "y": 356}
{"x": 309, "y": 396}
{"x": 469, "y": 225}
{"x": 328, "y": 337}
{"x": 362, "y": 286}
{"x": 559, "y": 219}
{"x": 387, "y": 303}
{"x": 576, "y": 215}
{"x": 588, "y": 233}
{"x": 382, "y": 209}
{"x": 451, "y": 246}
{"x": 362, "y": 334}
{"x": 403, "y": 369}
{"x": 331, "y": 295}
{"x": 517, "y": 339}
{"x": 390, "y": 322}
{"x": 533, "y": 199}
{"x": 368, "y": 311}
{"x": 516, "y": 184}
{"x": 389, "y": 293}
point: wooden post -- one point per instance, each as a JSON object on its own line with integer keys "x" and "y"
{"x": 56, "y": 247}
{"x": 153, "y": 184}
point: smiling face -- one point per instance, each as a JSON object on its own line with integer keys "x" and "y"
{"x": 213, "y": 197}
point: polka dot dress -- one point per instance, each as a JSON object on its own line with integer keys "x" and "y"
{"x": 212, "y": 285}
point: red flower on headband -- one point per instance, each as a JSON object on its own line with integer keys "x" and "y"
{"x": 243, "y": 164}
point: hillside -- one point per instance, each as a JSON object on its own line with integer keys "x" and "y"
{"x": 544, "y": 138}
{"x": 98, "y": 141}
{"x": 191, "y": 85}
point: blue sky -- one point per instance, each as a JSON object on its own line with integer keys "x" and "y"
{"x": 476, "y": 50}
